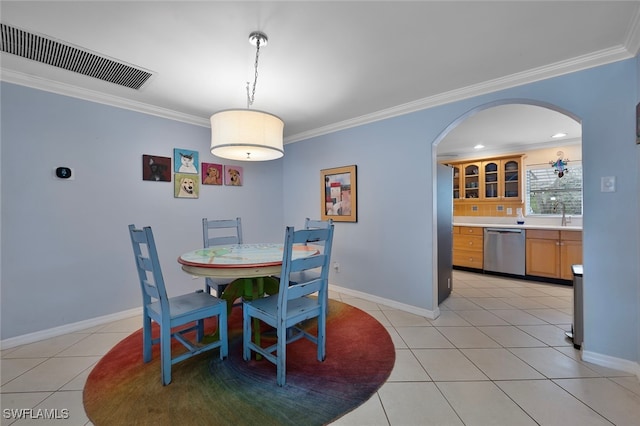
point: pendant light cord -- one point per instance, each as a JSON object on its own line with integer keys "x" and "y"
{"x": 251, "y": 98}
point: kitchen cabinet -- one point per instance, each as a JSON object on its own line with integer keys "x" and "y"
{"x": 550, "y": 253}
{"x": 490, "y": 179}
{"x": 570, "y": 252}
{"x": 471, "y": 182}
{"x": 468, "y": 246}
{"x": 456, "y": 182}
{"x": 502, "y": 179}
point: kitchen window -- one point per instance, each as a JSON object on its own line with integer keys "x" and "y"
{"x": 546, "y": 192}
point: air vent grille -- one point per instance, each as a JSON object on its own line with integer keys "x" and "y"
{"x": 52, "y": 52}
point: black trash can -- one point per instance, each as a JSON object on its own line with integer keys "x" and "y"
{"x": 577, "y": 328}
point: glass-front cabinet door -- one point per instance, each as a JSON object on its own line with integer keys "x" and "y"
{"x": 511, "y": 178}
{"x": 491, "y": 171}
{"x": 456, "y": 182}
{"x": 472, "y": 180}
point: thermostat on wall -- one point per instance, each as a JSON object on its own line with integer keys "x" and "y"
{"x": 64, "y": 173}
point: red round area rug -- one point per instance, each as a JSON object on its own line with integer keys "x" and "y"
{"x": 122, "y": 390}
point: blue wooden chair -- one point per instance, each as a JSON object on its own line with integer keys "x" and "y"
{"x": 293, "y": 304}
{"x": 169, "y": 313}
{"x": 216, "y": 233}
{"x": 317, "y": 224}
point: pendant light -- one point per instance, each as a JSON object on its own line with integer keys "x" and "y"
{"x": 246, "y": 134}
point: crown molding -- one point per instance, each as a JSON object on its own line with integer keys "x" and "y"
{"x": 46, "y": 85}
{"x": 579, "y": 63}
{"x": 633, "y": 36}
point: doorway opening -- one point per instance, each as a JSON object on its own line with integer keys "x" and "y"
{"x": 503, "y": 127}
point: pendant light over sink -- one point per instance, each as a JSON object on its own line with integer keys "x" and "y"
{"x": 246, "y": 134}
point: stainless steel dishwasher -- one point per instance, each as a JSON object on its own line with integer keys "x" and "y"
{"x": 504, "y": 250}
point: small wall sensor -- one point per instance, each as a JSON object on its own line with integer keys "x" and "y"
{"x": 65, "y": 173}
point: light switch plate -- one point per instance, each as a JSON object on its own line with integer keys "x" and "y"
{"x": 608, "y": 184}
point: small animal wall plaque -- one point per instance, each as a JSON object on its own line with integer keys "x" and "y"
{"x": 155, "y": 168}
{"x": 233, "y": 175}
{"x": 185, "y": 161}
{"x": 186, "y": 185}
{"x": 211, "y": 174}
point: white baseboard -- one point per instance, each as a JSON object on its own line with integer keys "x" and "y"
{"x": 611, "y": 362}
{"x": 391, "y": 303}
{"x": 68, "y": 328}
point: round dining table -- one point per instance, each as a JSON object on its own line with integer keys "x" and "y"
{"x": 250, "y": 268}
{"x": 240, "y": 260}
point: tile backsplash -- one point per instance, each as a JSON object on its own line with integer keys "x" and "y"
{"x": 487, "y": 210}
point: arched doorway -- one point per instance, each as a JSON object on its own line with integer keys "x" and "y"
{"x": 504, "y": 127}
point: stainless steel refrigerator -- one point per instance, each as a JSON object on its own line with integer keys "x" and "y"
{"x": 445, "y": 231}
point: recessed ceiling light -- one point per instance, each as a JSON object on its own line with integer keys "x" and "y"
{"x": 479, "y": 146}
{"x": 559, "y": 135}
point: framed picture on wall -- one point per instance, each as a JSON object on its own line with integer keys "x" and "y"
{"x": 186, "y": 185}
{"x": 185, "y": 161}
{"x": 211, "y": 174}
{"x": 156, "y": 169}
{"x": 338, "y": 194}
{"x": 233, "y": 175}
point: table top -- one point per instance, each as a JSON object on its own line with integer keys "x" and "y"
{"x": 243, "y": 255}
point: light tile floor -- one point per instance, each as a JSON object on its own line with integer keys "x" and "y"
{"x": 497, "y": 355}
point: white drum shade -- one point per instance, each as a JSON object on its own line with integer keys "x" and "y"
{"x": 246, "y": 135}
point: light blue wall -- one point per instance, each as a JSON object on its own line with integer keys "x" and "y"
{"x": 66, "y": 254}
{"x": 388, "y": 253}
{"x": 55, "y": 264}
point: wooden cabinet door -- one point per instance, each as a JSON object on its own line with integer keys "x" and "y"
{"x": 511, "y": 179}
{"x": 491, "y": 174}
{"x": 570, "y": 252}
{"x": 456, "y": 183}
{"x": 543, "y": 257}
{"x": 471, "y": 181}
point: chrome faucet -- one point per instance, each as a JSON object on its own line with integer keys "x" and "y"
{"x": 564, "y": 208}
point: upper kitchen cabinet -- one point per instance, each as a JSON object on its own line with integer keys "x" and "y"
{"x": 471, "y": 181}
{"x": 489, "y": 179}
{"x": 456, "y": 182}
{"x": 511, "y": 170}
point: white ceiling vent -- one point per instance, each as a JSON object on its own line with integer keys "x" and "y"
{"x": 63, "y": 55}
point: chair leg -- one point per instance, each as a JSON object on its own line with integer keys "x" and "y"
{"x": 246, "y": 334}
{"x": 146, "y": 339}
{"x": 222, "y": 328}
{"x": 281, "y": 359}
{"x": 322, "y": 335}
{"x": 165, "y": 353}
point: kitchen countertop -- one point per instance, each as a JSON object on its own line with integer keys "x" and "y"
{"x": 516, "y": 226}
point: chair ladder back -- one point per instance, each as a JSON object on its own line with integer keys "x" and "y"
{"x": 317, "y": 224}
{"x": 148, "y": 265}
{"x": 306, "y": 288}
{"x": 211, "y": 230}
{"x": 304, "y": 284}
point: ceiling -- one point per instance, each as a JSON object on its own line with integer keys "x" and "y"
{"x": 507, "y": 129}
{"x": 328, "y": 65}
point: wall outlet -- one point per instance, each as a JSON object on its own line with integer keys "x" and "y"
{"x": 336, "y": 266}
